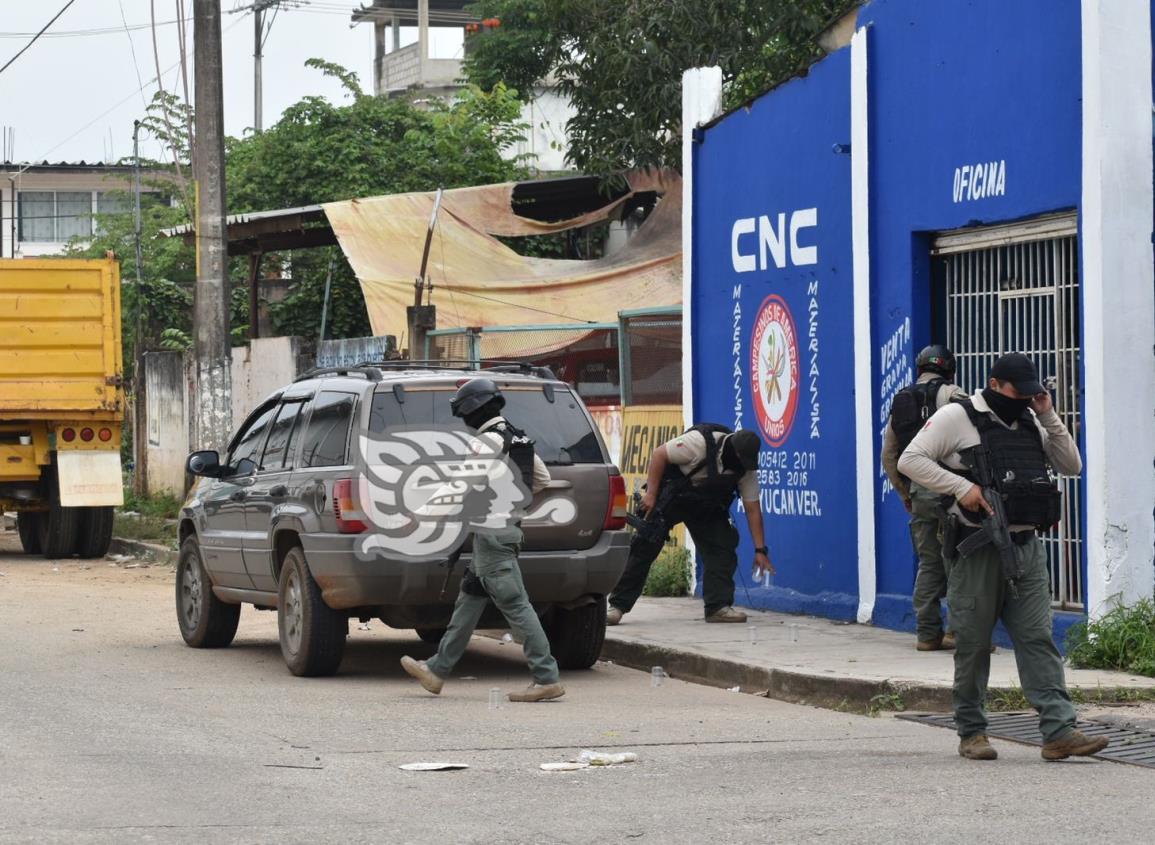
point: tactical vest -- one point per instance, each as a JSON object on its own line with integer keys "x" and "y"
{"x": 716, "y": 489}
{"x": 1023, "y": 473}
{"x": 911, "y": 408}
{"x": 517, "y": 444}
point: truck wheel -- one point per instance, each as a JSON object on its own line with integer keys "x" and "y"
{"x": 432, "y": 635}
{"x": 576, "y": 636}
{"x": 58, "y": 525}
{"x": 28, "y": 526}
{"x": 205, "y": 621}
{"x": 312, "y": 634}
{"x": 94, "y": 534}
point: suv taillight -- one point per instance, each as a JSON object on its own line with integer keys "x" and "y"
{"x": 616, "y": 512}
{"x": 349, "y": 519}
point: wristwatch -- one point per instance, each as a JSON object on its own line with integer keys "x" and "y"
{"x": 762, "y": 550}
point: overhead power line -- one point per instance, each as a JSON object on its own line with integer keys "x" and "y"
{"x": 36, "y": 37}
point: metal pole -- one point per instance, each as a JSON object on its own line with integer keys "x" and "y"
{"x": 139, "y": 405}
{"x": 258, "y": 24}
{"x": 213, "y": 419}
{"x": 325, "y": 302}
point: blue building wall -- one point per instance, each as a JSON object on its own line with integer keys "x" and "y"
{"x": 784, "y": 159}
{"x": 952, "y": 85}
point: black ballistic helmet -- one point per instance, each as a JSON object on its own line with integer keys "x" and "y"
{"x": 474, "y": 394}
{"x": 746, "y": 445}
{"x": 935, "y": 358}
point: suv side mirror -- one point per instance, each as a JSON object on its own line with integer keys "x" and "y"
{"x": 244, "y": 468}
{"x": 206, "y": 464}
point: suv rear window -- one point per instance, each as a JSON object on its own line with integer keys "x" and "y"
{"x": 560, "y": 429}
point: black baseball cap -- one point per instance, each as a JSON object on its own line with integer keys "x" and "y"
{"x": 746, "y": 445}
{"x": 1020, "y": 371}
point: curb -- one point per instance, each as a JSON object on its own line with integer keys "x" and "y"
{"x": 856, "y": 694}
{"x": 151, "y": 552}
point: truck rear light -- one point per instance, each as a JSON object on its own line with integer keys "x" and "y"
{"x": 105, "y": 434}
{"x": 349, "y": 519}
{"x": 616, "y": 512}
{"x": 68, "y": 435}
{"x": 86, "y": 434}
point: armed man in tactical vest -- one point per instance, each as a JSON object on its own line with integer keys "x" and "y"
{"x": 693, "y": 479}
{"x": 997, "y": 453}
{"x": 493, "y": 574}
{"x": 911, "y": 408}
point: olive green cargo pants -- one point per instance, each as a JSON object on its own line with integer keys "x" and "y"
{"x": 979, "y": 596}
{"x": 930, "y": 582}
{"x": 495, "y": 563}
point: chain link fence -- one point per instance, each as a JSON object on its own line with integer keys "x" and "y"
{"x": 651, "y": 344}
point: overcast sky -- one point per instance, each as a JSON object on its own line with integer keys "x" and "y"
{"x": 74, "y": 94}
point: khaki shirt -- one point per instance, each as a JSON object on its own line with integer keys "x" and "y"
{"x": 689, "y": 449}
{"x": 890, "y": 440}
{"x": 541, "y": 476}
{"x": 950, "y": 431}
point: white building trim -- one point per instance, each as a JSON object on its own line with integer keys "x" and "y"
{"x": 863, "y": 344}
{"x": 1118, "y": 302}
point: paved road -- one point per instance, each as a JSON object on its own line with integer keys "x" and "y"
{"x": 111, "y": 730}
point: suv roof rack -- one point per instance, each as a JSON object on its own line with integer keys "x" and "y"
{"x": 371, "y": 373}
{"x": 463, "y": 364}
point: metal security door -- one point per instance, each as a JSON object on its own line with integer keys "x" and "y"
{"x": 1016, "y": 289}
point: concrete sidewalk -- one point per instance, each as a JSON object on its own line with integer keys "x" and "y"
{"x": 810, "y": 660}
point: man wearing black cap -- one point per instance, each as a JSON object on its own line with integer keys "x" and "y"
{"x": 1013, "y": 424}
{"x": 705, "y": 467}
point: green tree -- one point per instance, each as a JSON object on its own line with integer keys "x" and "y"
{"x": 620, "y": 62}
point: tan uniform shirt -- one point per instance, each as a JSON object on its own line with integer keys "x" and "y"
{"x": 541, "y": 476}
{"x": 689, "y": 449}
{"x": 950, "y": 431}
{"x": 890, "y": 440}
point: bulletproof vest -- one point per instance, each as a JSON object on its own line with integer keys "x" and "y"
{"x": 714, "y": 489}
{"x": 519, "y": 447}
{"x": 1022, "y": 473}
{"x": 911, "y": 408}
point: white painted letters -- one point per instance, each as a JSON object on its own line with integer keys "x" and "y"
{"x": 742, "y": 263}
{"x": 979, "y": 181}
{"x": 772, "y": 241}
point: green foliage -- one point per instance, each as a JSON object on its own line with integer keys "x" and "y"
{"x": 161, "y": 506}
{"x": 670, "y": 574}
{"x": 890, "y": 701}
{"x": 1122, "y": 639}
{"x": 621, "y": 63}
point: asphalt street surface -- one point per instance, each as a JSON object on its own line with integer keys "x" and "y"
{"x": 112, "y": 730}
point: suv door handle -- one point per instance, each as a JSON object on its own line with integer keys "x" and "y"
{"x": 238, "y": 495}
{"x": 279, "y": 491}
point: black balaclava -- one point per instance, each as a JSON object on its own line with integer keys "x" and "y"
{"x": 482, "y": 415}
{"x": 1006, "y": 409}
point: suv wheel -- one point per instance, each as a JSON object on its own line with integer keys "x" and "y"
{"x": 205, "y": 621}
{"x": 28, "y": 526}
{"x": 312, "y": 634}
{"x": 576, "y": 636}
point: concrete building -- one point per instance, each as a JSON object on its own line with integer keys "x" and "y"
{"x": 46, "y": 205}
{"x": 976, "y": 173}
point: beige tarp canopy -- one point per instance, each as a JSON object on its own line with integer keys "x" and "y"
{"x": 478, "y": 281}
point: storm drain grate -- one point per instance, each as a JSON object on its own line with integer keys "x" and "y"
{"x": 1126, "y": 744}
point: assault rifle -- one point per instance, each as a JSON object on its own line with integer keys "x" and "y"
{"x": 995, "y": 529}
{"x": 653, "y": 526}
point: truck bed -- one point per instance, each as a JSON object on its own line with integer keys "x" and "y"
{"x": 59, "y": 338}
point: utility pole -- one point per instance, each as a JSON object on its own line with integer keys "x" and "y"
{"x": 259, "y": 7}
{"x": 139, "y": 404}
{"x": 212, "y": 422}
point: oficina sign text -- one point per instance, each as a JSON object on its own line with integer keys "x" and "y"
{"x": 979, "y": 181}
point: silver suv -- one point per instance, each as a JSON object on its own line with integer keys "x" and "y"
{"x": 274, "y": 523}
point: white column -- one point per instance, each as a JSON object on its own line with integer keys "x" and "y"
{"x": 701, "y": 102}
{"x": 863, "y": 345}
{"x": 1118, "y": 302}
{"x": 423, "y": 33}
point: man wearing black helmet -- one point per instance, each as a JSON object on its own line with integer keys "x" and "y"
{"x": 700, "y": 471}
{"x": 493, "y": 573}
{"x": 911, "y": 408}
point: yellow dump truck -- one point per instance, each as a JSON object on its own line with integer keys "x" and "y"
{"x": 61, "y": 402}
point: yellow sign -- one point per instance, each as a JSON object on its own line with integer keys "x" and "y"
{"x": 644, "y": 429}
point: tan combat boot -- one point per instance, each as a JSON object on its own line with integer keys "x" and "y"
{"x": 726, "y": 614}
{"x": 613, "y": 616}
{"x": 977, "y": 747}
{"x": 420, "y": 671}
{"x": 538, "y": 692}
{"x": 1076, "y": 744}
{"x": 930, "y": 645}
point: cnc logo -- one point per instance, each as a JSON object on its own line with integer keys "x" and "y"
{"x": 424, "y": 490}
{"x": 774, "y": 369}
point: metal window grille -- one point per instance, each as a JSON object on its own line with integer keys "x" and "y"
{"x": 651, "y": 347}
{"x": 1016, "y": 289}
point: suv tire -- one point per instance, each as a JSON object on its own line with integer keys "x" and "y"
{"x": 205, "y": 621}
{"x": 94, "y": 534}
{"x": 312, "y": 634}
{"x": 576, "y": 636}
{"x": 28, "y": 526}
